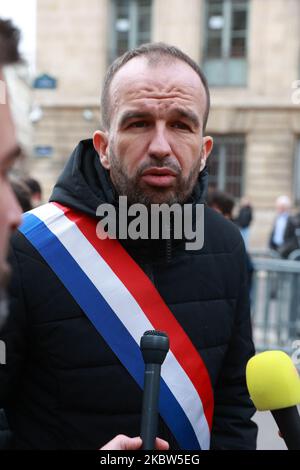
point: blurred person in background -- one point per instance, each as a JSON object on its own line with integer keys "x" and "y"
{"x": 283, "y": 207}
{"x": 10, "y": 218}
{"x": 36, "y": 193}
{"x": 221, "y": 202}
{"x": 224, "y": 203}
{"x": 22, "y": 193}
{"x": 244, "y": 219}
{"x": 291, "y": 241}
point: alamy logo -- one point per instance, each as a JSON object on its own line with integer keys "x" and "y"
{"x": 2, "y": 353}
{"x": 2, "y": 92}
{"x": 296, "y": 93}
{"x": 162, "y": 221}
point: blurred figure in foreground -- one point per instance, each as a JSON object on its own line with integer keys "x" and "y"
{"x": 10, "y": 211}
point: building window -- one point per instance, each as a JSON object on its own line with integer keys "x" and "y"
{"x": 226, "y": 164}
{"x": 297, "y": 174}
{"x": 131, "y": 25}
{"x": 225, "y": 45}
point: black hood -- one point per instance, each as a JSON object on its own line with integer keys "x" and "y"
{"x": 84, "y": 184}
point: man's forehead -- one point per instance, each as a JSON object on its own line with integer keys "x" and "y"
{"x": 139, "y": 78}
{"x": 139, "y": 69}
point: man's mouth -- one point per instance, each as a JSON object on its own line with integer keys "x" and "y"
{"x": 159, "y": 177}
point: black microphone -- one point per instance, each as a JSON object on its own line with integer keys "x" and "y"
{"x": 154, "y": 348}
{"x": 288, "y": 422}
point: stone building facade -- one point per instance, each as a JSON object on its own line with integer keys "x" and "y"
{"x": 250, "y": 50}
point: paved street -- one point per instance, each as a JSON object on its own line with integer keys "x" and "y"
{"x": 268, "y": 438}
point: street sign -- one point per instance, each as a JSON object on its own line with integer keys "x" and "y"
{"x": 43, "y": 151}
{"x": 45, "y": 82}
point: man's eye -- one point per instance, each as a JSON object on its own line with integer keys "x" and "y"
{"x": 180, "y": 125}
{"x": 138, "y": 124}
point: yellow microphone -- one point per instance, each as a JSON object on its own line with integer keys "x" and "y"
{"x": 274, "y": 384}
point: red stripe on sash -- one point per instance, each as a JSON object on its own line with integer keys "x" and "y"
{"x": 152, "y": 304}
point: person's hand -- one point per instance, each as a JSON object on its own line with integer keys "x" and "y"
{"x": 122, "y": 442}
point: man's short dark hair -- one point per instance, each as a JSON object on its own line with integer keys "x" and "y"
{"x": 156, "y": 53}
{"x": 9, "y": 42}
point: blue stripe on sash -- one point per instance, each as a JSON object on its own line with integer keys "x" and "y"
{"x": 106, "y": 322}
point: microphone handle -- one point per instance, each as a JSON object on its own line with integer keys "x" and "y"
{"x": 150, "y": 406}
{"x": 288, "y": 422}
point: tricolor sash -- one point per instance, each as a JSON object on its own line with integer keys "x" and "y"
{"x": 122, "y": 303}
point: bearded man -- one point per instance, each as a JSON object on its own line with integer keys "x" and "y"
{"x": 81, "y": 302}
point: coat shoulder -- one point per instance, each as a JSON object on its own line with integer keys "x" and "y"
{"x": 220, "y": 234}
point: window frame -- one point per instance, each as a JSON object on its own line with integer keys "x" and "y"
{"x": 133, "y": 33}
{"x": 220, "y": 179}
{"x": 226, "y": 64}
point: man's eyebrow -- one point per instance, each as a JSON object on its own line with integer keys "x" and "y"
{"x": 133, "y": 115}
{"x": 189, "y": 115}
{"x": 184, "y": 113}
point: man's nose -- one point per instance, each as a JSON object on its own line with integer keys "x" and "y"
{"x": 159, "y": 145}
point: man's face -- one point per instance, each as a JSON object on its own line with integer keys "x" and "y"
{"x": 10, "y": 212}
{"x": 155, "y": 148}
{"x": 282, "y": 207}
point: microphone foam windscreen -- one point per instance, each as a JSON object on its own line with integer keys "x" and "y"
{"x": 273, "y": 381}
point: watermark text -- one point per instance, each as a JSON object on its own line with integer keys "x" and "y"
{"x": 161, "y": 221}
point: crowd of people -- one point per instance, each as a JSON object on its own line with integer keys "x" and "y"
{"x": 284, "y": 240}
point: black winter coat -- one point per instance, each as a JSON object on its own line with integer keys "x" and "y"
{"x": 291, "y": 236}
{"x": 63, "y": 387}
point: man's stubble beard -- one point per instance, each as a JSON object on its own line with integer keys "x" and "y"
{"x": 147, "y": 195}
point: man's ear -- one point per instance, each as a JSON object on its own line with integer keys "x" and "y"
{"x": 206, "y": 150}
{"x": 100, "y": 141}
